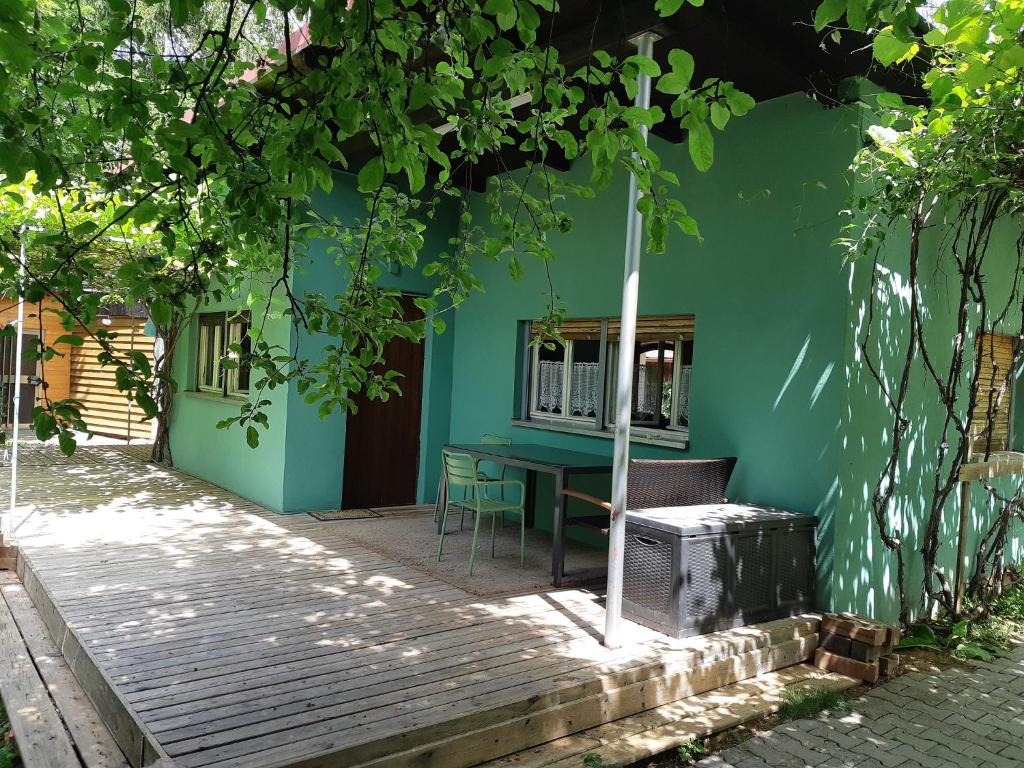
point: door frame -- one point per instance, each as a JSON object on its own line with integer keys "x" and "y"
{"x": 424, "y": 395}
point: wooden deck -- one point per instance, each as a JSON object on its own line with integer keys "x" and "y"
{"x": 213, "y": 632}
{"x": 54, "y": 724}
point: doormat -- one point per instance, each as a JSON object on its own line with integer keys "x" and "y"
{"x": 344, "y": 514}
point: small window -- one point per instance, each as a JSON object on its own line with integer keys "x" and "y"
{"x": 990, "y": 420}
{"x": 223, "y": 337}
{"x": 239, "y": 351}
{"x": 211, "y": 348}
{"x": 566, "y": 379}
{"x": 661, "y": 384}
{"x": 572, "y": 381}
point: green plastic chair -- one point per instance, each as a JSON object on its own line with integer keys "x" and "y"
{"x": 500, "y": 469}
{"x": 498, "y": 474}
{"x": 489, "y": 439}
{"x": 460, "y": 471}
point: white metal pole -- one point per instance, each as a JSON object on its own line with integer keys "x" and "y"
{"x": 16, "y": 405}
{"x": 624, "y": 371}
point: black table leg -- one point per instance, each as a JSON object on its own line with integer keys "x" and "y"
{"x": 558, "y": 532}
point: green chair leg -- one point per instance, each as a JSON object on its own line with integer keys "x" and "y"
{"x": 444, "y": 522}
{"x": 437, "y": 504}
{"x": 472, "y": 551}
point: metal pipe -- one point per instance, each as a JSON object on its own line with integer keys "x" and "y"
{"x": 624, "y": 381}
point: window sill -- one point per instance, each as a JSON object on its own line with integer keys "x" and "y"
{"x": 214, "y": 397}
{"x": 679, "y": 439}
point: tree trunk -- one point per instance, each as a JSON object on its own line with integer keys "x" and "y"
{"x": 164, "y": 396}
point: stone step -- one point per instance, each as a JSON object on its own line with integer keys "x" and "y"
{"x": 487, "y": 738}
{"x": 640, "y": 736}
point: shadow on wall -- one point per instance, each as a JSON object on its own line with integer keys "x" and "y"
{"x": 865, "y": 571}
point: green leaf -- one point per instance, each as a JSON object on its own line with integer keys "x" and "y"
{"x": 974, "y": 651}
{"x": 420, "y": 94}
{"x": 67, "y": 442}
{"x": 668, "y": 7}
{"x": 414, "y": 173}
{"x": 720, "y": 115}
{"x": 960, "y": 629}
{"x": 252, "y": 436}
{"x": 371, "y": 175}
{"x": 688, "y": 225}
{"x": 923, "y": 636}
{"x": 739, "y": 102}
{"x": 682, "y": 63}
{"x": 827, "y": 12}
{"x": 890, "y": 100}
{"x": 147, "y": 403}
{"x": 646, "y": 66}
{"x": 701, "y": 144}
{"x": 857, "y": 14}
{"x": 672, "y": 83}
{"x": 70, "y": 339}
{"x": 888, "y": 49}
{"x": 160, "y": 312}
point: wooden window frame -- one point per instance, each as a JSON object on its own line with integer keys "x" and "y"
{"x": 567, "y": 373}
{"x": 233, "y": 375}
{"x": 216, "y": 328}
{"x": 678, "y": 329}
{"x": 671, "y": 426}
{"x": 209, "y": 324}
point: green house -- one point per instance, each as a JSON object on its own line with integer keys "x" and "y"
{"x": 750, "y": 347}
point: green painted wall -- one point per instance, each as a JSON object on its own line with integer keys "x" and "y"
{"x": 315, "y": 447}
{"x": 299, "y": 463}
{"x": 865, "y": 571}
{"x": 222, "y": 455}
{"x": 777, "y": 375}
{"x": 769, "y": 295}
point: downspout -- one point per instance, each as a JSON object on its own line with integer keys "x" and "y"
{"x": 624, "y": 381}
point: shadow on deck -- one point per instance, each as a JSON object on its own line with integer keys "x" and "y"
{"x": 213, "y": 632}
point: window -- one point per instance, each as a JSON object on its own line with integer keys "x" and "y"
{"x": 994, "y": 394}
{"x": 565, "y": 379}
{"x": 573, "y": 383}
{"x": 661, "y": 383}
{"x": 211, "y": 348}
{"x": 239, "y": 351}
{"x": 222, "y": 360}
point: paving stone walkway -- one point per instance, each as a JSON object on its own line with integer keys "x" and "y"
{"x": 956, "y": 718}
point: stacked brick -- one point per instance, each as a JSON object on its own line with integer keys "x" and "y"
{"x": 857, "y": 647}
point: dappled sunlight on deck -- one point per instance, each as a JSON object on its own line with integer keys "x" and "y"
{"x": 240, "y": 637}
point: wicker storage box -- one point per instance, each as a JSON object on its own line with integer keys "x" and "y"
{"x": 703, "y": 568}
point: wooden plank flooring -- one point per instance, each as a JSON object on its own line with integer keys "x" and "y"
{"x": 38, "y": 730}
{"x": 236, "y": 637}
{"x": 93, "y": 743}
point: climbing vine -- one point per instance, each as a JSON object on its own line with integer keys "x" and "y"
{"x": 944, "y": 172}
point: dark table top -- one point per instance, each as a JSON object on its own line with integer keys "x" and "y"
{"x": 528, "y": 453}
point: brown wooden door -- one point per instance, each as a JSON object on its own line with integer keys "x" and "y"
{"x": 382, "y": 439}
